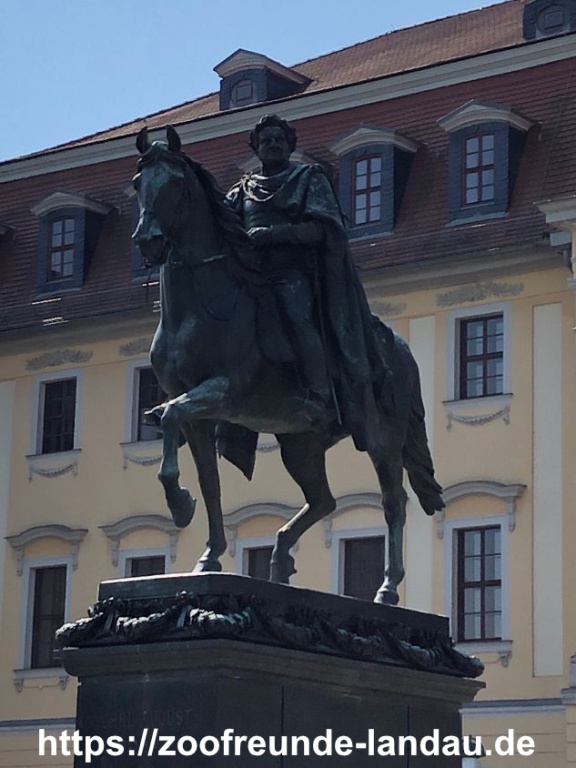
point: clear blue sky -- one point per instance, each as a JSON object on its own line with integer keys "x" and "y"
{"x": 69, "y": 68}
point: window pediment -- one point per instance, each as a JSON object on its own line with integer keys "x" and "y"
{"x": 74, "y": 537}
{"x": 367, "y": 135}
{"x": 58, "y": 200}
{"x": 475, "y": 112}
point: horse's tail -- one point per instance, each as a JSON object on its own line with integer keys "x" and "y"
{"x": 416, "y": 455}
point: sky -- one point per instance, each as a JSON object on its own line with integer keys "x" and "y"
{"x": 69, "y": 68}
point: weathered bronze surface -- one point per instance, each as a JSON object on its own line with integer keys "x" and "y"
{"x": 265, "y": 327}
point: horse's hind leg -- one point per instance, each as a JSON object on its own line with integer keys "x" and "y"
{"x": 304, "y": 458}
{"x": 394, "y": 500}
{"x": 201, "y": 439}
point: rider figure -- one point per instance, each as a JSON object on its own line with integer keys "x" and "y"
{"x": 293, "y": 218}
{"x": 286, "y": 241}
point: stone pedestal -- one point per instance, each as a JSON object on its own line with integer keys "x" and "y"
{"x": 192, "y": 656}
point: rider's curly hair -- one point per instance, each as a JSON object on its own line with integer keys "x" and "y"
{"x": 273, "y": 121}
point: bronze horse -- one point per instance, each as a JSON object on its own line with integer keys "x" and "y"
{"x": 208, "y": 360}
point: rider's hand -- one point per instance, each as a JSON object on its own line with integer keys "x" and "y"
{"x": 262, "y": 235}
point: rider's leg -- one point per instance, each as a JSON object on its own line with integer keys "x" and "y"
{"x": 296, "y": 300}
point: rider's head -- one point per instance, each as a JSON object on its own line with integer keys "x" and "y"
{"x": 273, "y": 121}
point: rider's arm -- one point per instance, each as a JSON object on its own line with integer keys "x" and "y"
{"x": 305, "y": 233}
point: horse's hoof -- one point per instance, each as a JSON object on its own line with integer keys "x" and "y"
{"x": 281, "y": 568}
{"x": 386, "y": 596}
{"x": 208, "y": 562}
{"x": 153, "y": 417}
{"x": 182, "y": 508}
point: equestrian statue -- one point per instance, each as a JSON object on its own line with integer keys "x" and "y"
{"x": 265, "y": 327}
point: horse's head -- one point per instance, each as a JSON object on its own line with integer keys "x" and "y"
{"x": 160, "y": 184}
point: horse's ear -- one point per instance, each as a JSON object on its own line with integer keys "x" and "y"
{"x": 142, "y": 141}
{"x": 174, "y": 143}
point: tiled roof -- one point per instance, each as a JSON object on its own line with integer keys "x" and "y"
{"x": 467, "y": 34}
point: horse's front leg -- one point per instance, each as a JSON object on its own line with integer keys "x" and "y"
{"x": 201, "y": 437}
{"x": 206, "y": 401}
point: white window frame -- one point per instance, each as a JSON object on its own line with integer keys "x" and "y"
{"x": 242, "y": 547}
{"x": 27, "y": 609}
{"x": 38, "y": 408}
{"x": 450, "y": 580}
{"x": 339, "y": 536}
{"x": 125, "y": 555}
{"x": 453, "y": 320}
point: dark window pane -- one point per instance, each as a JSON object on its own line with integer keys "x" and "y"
{"x": 150, "y": 394}
{"x": 48, "y": 614}
{"x": 363, "y": 566}
{"x": 146, "y": 566}
{"x": 61, "y": 262}
{"x": 59, "y": 410}
{"x": 243, "y": 93}
{"x": 258, "y": 562}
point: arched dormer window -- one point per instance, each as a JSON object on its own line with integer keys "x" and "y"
{"x": 546, "y": 18}
{"x": 70, "y": 225}
{"x": 374, "y": 167}
{"x": 486, "y": 143}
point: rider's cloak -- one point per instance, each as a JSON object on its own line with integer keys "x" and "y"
{"x": 354, "y": 348}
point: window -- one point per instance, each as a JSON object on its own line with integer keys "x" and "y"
{"x": 479, "y": 169}
{"x": 363, "y": 570}
{"x": 374, "y": 168}
{"x": 543, "y": 18}
{"x": 367, "y": 192}
{"x": 243, "y": 93}
{"x": 148, "y": 394}
{"x": 479, "y": 584}
{"x": 484, "y": 152}
{"x": 553, "y": 19}
{"x": 58, "y": 415}
{"x": 70, "y": 225}
{"x": 145, "y": 566}
{"x": 48, "y": 614}
{"x": 257, "y": 562}
{"x": 478, "y": 356}
{"x": 481, "y": 356}
{"x": 61, "y": 249}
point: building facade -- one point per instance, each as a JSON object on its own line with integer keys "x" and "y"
{"x": 451, "y": 146}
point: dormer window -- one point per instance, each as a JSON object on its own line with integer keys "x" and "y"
{"x": 243, "y": 93}
{"x": 486, "y": 143}
{"x": 545, "y": 18}
{"x": 374, "y": 168}
{"x": 251, "y": 78}
{"x": 70, "y": 225}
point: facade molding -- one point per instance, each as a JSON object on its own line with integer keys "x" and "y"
{"x": 508, "y": 492}
{"x": 512, "y": 707}
{"x": 59, "y": 357}
{"x": 475, "y": 112}
{"x": 73, "y": 536}
{"x": 243, "y": 59}
{"x": 367, "y": 135}
{"x": 345, "y": 504}
{"x": 115, "y": 532}
{"x": 260, "y": 509}
{"x": 58, "y": 200}
{"x": 337, "y": 99}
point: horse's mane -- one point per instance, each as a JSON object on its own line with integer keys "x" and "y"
{"x": 228, "y": 220}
